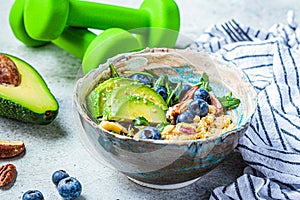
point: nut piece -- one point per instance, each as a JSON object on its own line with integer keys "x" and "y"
{"x": 10, "y": 149}
{"x": 9, "y": 74}
{"x": 8, "y": 173}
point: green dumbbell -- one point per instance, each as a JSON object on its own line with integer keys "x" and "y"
{"x": 81, "y": 43}
{"x": 17, "y": 25}
{"x": 46, "y": 20}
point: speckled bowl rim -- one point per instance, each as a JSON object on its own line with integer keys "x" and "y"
{"x": 165, "y": 142}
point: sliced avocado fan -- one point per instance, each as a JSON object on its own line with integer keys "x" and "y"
{"x": 135, "y": 106}
{"x": 131, "y": 101}
{"x": 27, "y": 98}
{"x": 97, "y": 97}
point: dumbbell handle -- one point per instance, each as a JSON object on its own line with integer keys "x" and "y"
{"x": 95, "y": 49}
{"x": 75, "y": 41}
{"x": 103, "y": 16}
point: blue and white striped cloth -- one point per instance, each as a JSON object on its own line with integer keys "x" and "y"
{"x": 271, "y": 145}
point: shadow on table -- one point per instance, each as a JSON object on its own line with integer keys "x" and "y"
{"x": 227, "y": 172}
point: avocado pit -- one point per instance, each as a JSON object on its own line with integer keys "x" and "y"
{"x": 9, "y": 74}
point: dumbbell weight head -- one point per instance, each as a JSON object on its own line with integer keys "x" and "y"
{"x": 164, "y": 21}
{"x": 112, "y": 42}
{"x": 17, "y": 25}
{"x": 54, "y": 15}
{"x": 73, "y": 40}
{"x": 47, "y": 19}
{"x": 94, "y": 50}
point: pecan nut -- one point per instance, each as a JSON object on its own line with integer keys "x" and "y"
{"x": 10, "y": 149}
{"x": 8, "y": 174}
{"x": 9, "y": 74}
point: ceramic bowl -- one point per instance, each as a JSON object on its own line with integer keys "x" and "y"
{"x": 167, "y": 164}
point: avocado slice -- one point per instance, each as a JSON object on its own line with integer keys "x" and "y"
{"x": 97, "y": 97}
{"x": 30, "y": 100}
{"x": 118, "y": 94}
{"x": 135, "y": 106}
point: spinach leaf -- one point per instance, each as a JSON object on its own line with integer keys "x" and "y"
{"x": 140, "y": 121}
{"x": 229, "y": 102}
{"x": 162, "y": 125}
{"x": 204, "y": 82}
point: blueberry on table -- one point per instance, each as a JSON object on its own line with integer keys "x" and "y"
{"x": 162, "y": 91}
{"x": 202, "y": 94}
{"x": 33, "y": 195}
{"x": 187, "y": 117}
{"x": 69, "y": 188}
{"x": 150, "y": 133}
{"x": 59, "y": 175}
{"x": 141, "y": 78}
{"x": 198, "y": 107}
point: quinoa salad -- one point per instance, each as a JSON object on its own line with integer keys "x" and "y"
{"x": 146, "y": 106}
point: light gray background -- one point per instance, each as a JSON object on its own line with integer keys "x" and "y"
{"x": 58, "y": 146}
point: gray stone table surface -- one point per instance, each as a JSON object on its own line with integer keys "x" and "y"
{"x": 58, "y": 145}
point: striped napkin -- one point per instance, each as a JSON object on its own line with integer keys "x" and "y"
{"x": 271, "y": 145}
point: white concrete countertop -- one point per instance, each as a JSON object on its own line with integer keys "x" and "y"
{"x": 57, "y": 146}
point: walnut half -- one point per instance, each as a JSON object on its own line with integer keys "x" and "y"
{"x": 8, "y": 174}
{"x": 9, "y": 74}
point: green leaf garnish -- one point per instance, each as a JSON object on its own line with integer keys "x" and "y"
{"x": 164, "y": 81}
{"x": 140, "y": 121}
{"x": 229, "y": 102}
{"x": 172, "y": 97}
{"x": 162, "y": 125}
{"x": 204, "y": 82}
{"x": 161, "y": 81}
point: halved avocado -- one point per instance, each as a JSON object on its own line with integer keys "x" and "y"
{"x": 97, "y": 97}
{"x": 117, "y": 95}
{"x": 136, "y": 106}
{"x": 31, "y": 100}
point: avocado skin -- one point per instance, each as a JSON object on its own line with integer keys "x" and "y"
{"x": 20, "y": 112}
{"x": 15, "y": 111}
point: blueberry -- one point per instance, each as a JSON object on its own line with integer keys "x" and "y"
{"x": 184, "y": 89}
{"x": 150, "y": 133}
{"x": 162, "y": 91}
{"x": 198, "y": 107}
{"x": 185, "y": 117}
{"x": 202, "y": 94}
{"x": 141, "y": 78}
{"x": 33, "y": 195}
{"x": 69, "y": 188}
{"x": 58, "y": 175}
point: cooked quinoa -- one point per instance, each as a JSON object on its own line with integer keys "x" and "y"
{"x": 204, "y": 127}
